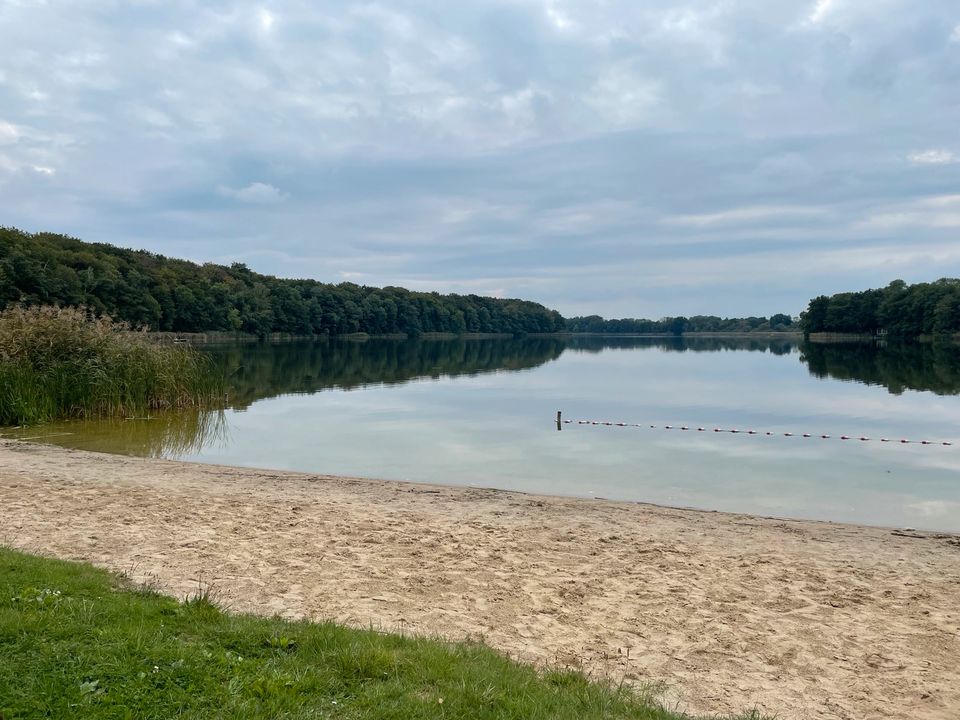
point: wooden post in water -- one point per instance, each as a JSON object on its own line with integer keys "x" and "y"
{"x": 559, "y": 426}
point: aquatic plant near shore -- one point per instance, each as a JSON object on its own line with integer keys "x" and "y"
{"x": 65, "y": 363}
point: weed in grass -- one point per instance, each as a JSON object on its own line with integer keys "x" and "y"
{"x": 281, "y": 642}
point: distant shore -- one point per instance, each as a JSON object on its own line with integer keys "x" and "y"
{"x": 218, "y": 336}
{"x": 801, "y": 619}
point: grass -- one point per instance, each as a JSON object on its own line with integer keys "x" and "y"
{"x": 79, "y": 642}
{"x": 63, "y": 363}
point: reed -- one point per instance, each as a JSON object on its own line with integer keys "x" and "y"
{"x": 67, "y": 363}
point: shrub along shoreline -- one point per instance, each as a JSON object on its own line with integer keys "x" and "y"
{"x": 58, "y": 363}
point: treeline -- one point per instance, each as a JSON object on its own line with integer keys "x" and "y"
{"x": 899, "y": 310}
{"x": 680, "y": 325}
{"x": 160, "y": 293}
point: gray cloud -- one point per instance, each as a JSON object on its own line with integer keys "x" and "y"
{"x": 623, "y": 158}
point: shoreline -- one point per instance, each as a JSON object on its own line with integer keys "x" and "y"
{"x": 801, "y": 618}
{"x": 215, "y": 337}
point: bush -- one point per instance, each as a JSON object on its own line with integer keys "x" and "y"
{"x": 66, "y": 363}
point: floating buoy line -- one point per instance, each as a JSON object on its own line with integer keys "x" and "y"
{"x": 737, "y": 431}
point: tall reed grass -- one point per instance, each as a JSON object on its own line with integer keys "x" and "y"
{"x": 65, "y": 363}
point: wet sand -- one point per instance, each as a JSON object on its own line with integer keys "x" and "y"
{"x": 801, "y": 619}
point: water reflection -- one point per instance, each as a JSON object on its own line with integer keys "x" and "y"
{"x": 257, "y": 371}
{"x": 485, "y": 417}
{"x": 933, "y": 367}
{"x": 263, "y": 370}
{"x": 596, "y": 344}
{"x": 260, "y": 371}
{"x": 165, "y": 435}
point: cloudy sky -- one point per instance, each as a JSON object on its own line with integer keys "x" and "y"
{"x": 624, "y": 157}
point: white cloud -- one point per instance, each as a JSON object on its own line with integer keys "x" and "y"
{"x": 624, "y": 97}
{"x": 745, "y": 215}
{"x": 153, "y": 117}
{"x": 936, "y": 211}
{"x": 180, "y": 39}
{"x": 587, "y": 218}
{"x": 256, "y": 193}
{"x": 452, "y": 210}
{"x": 899, "y": 220}
{"x": 559, "y": 19}
{"x": 942, "y": 201}
{"x": 820, "y": 11}
{"x": 936, "y": 156}
{"x": 44, "y": 170}
{"x": 701, "y": 28}
{"x": 813, "y": 264}
{"x": 265, "y": 19}
{"x": 955, "y": 35}
{"x": 9, "y": 133}
{"x": 519, "y": 107}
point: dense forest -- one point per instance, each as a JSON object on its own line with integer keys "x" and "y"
{"x": 899, "y": 310}
{"x": 680, "y": 325}
{"x": 159, "y": 293}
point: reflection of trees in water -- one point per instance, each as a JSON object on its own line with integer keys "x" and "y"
{"x": 598, "y": 343}
{"x": 166, "y": 434}
{"x": 934, "y": 367}
{"x": 262, "y": 370}
{"x": 176, "y": 434}
{"x": 256, "y": 371}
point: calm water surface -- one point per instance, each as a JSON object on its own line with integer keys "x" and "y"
{"x": 481, "y": 412}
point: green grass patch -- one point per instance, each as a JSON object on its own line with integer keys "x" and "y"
{"x": 79, "y": 642}
{"x": 65, "y": 363}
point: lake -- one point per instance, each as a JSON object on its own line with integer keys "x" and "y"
{"x": 482, "y": 412}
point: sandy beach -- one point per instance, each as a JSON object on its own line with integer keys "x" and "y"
{"x": 730, "y": 612}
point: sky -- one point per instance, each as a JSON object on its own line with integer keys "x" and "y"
{"x": 617, "y": 157}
